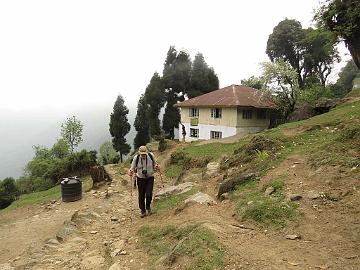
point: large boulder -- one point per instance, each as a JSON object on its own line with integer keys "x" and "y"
{"x": 99, "y": 174}
{"x": 170, "y": 190}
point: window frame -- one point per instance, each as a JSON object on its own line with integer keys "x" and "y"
{"x": 193, "y": 112}
{"x": 194, "y": 131}
{"x": 216, "y": 112}
{"x": 215, "y": 134}
{"x": 247, "y": 114}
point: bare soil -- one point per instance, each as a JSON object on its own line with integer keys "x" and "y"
{"x": 329, "y": 227}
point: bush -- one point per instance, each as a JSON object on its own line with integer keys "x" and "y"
{"x": 8, "y": 192}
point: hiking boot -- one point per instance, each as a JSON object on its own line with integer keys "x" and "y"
{"x": 143, "y": 214}
{"x": 148, "y": 212}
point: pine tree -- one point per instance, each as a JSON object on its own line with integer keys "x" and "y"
{"x": 176, "y": 79}
{"x": 155, "y": 99}
{"x": 202, "y": 78}
{"x": 141, "y": 124}
{"x": 119, "y": 127}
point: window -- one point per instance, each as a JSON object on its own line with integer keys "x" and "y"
{"x": 193, "y": 112}
{"x": 194, "y": 133}
{"x": 215, "y": 134}
{"x": 247, "y": 114}
{"x": 261, "y": 114}
{"x": 216, "y": 113}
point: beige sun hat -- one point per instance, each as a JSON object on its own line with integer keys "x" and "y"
{"x": 143, "y": 150}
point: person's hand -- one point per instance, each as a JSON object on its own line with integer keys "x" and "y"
{"x": 130, "y": 172}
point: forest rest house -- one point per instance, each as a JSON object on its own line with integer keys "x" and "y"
{"x": 225, "y": 112}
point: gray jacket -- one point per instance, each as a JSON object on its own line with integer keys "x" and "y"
{"x": 143, "y": 164}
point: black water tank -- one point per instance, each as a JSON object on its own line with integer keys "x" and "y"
{"x": 71, "y": 189}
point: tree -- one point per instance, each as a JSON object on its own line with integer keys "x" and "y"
{"x": 254, "y": 82}
{"x": 342, "y": 17}
{"x": 176, "y": 79}
{"x": 155, "y": 99}
{"x": 108, "y": 153}
{"x": 119, "y": 127}
{"x": 202, "y": 78}
{"x": 141, "y": 124}
{"x": 281, "y": 79}
{"x": 8, "y": 192}
{"x": 285, "y": 43}
{"x": 60, "y": 149}
{"x": 344, "y": 83}
{"x": 71, "y": 132}
{"x": 320, "y": 53}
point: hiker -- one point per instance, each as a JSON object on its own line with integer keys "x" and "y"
{"x": 144, "y": 165}
{"x": 183, "y": 132}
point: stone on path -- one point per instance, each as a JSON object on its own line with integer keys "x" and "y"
{"x": 117, "y": 266}
{"x": 295, "y": 197}
{"x": 292, "y": 236}
{"x": 313, "y": 195}
{"x": 170, "y": 190}
{"x": 200, "y": 198}
{"x": 212, "y": 169}
{"x": 269, "y": 191}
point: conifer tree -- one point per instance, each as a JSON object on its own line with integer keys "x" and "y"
{"x": 202, "y": 78}
{"x": 155, "y": 99}
{"x": 141, "y": 124}
{"x": 119, "y": 127}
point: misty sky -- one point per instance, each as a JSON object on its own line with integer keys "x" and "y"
{"x": 63, "y": 55}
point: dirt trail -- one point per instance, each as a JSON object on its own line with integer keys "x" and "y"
{"x": 329, "y": 229}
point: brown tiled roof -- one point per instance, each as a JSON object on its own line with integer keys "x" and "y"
{"x": 230, "y": 96}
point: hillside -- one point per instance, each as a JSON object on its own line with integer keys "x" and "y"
{"x": 296, "y": 206}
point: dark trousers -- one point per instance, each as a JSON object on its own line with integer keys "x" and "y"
{"x": 145, "y": 187}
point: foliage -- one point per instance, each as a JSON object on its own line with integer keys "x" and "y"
{"x": 141, "y": 124}
{"x": 254, "y": 82}
{"x": 71, "y": 132}
{"x": 60, "y": 149}
{"x": 202, "y": 78}
{"x": 315, "y": 92}
{"x": 262, "y": 155}
{"x": 155, "y": 99}
{"x": 344, "y": 83}
{"x": 119, "y": 127}
{"x": 342, "y": 17}
{"x": 176, "y": 79}
{"x": 320, "y": 53}
{"x": 195, "y": 243}
{"x": 108, "y": 154}
{"x": 281, "y": 79}
{"x": 46, "y": 169}
{"x": 162, "y": 143}
{"x": 310, "y": 52}
{"x": 8, "y": 192}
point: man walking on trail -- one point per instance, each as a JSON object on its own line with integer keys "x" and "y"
{"x": 144, "y": 165}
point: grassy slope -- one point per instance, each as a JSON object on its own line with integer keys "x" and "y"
{"x": 53, "y": 193}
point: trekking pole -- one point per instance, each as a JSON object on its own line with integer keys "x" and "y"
{"x": 131, "y": 200}
{"x": 161, "y": 179}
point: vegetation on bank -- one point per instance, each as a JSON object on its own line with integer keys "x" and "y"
{"x": 197, "y": 246}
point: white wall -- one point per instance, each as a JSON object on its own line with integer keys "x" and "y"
{"x": 204, "y": 131}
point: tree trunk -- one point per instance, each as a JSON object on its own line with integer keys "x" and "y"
{"x": 354, "y": 48}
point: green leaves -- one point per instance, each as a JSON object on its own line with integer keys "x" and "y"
{"x": 119, "y": 127}
{"x": 71, "y": 131}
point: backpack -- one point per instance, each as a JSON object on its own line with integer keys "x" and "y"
{"x": 148, "y": 154}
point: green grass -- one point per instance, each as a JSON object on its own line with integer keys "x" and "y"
{"x": 252, "y": 204}
{"x": 53, "y": 193}
{"x": 196, "y": 246}
{"x": 173, "y": 170}
{"x": 210, "y": 150}
{"x": 173, "y": 201}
